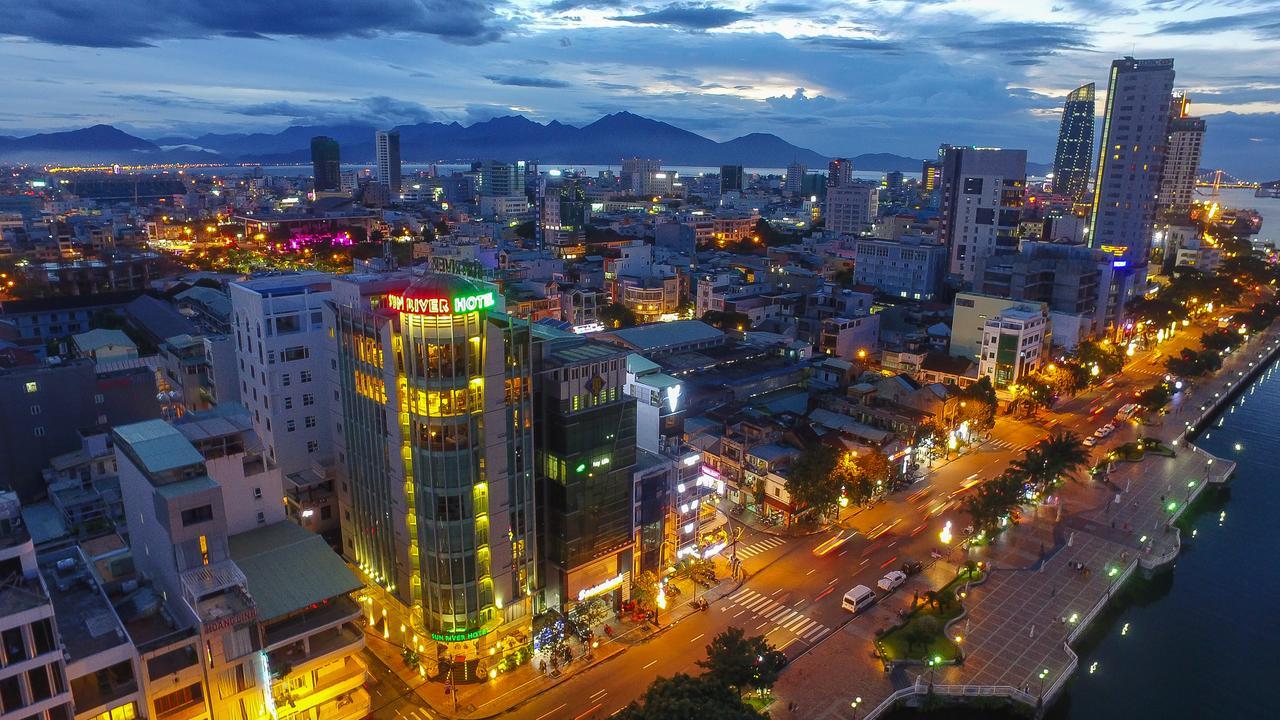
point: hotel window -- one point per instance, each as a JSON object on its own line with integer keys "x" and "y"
{"x": 32, "y": 386}
{"x": 312, "y": 446}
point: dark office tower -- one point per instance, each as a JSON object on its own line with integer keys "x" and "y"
{"x": 387, "y": 148}
{"x": 1130, "y": 162}
{"x": 325, "y": 165}
{"x": 585, "y": 436}
{"x": 730, "y": 178}
{"x": 1073, "y": 161}
{"x": 839, "y": 172}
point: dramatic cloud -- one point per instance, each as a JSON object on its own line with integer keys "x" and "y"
{"x": 690, "y": 16}
{"x": 379, "y": 110}
{"x": 843, "y": 78}
{"x": 92, "y": 23}
{"x": 523, "y": 81}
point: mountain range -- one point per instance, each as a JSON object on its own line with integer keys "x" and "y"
{"x": 602, "y": 142}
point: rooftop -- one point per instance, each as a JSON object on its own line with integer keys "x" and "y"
{"x": 87, "y": 624}
{"x": 288, "y": 568}
{"x": 660, "y": 336}
{"x": 158, "y": 445}
{"x": 100, "y": 338}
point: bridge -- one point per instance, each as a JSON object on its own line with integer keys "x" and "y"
{"x": 1217, "y": 179}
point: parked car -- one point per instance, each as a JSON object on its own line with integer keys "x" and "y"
{"x": 892, "y": 580}
{"x": 911, "y": 567}
{"x": 1090, "y": 441}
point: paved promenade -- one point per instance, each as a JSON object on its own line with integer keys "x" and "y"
{"x": 1038, "y": 599}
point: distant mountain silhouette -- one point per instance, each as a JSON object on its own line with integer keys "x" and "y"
{"x": 603, "y": 142}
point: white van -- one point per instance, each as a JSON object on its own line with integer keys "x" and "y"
{"x": 858, "y": 599}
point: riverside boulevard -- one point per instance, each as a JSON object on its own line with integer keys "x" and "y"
{"x": 792, "y": 596}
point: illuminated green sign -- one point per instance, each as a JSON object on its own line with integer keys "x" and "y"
{"x": 460, "y": 636}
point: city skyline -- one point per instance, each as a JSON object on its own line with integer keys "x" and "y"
{"x": 1000, "y": 82}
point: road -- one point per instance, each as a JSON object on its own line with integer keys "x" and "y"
{"x": 792, "y": 595}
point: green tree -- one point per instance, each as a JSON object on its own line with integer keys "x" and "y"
{"x": 644, "y": 591}
{"x": 994, "y": 499}
{"x": 1220, "y": 340}
{"x": 1108, "y": 357}
{"x": 1155, "y": 397}
{"x": 684, "y": 696}
{"x": 742, "y": 662}
{"x": 1050, "y": 460}
{"x": 812, "y": 482}
{"x": 727, "y": 320}
{"x": 617, "y": 315}
{"x": 922, "y": 631}
{"x": 979, "y": 405}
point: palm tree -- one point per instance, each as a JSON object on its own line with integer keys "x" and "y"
{"x": 1064, "y": 453}
{"x": 1034, "y": 466}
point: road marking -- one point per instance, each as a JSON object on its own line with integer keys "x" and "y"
{"x": 695, "y": 638}
{"x": 646, "y": 667}
{"x": 597, "y": 694}
{"x": 811, "y": 572}
{"x": 590, "y": 710}
{"x": 762, "y": 624}
{"x": 973, "y": 476}
{"x": 740, "y": 593}
{"x": 798, "y": 603}
{"x": 841, "y": 553}
{"x": 738, "y": 613}
{"x": 796, "y": 622}
{"x": 804, "y": 626}
{"x": 545, "y": 715}
{"x": 833, "y": 581}
{"x": 813, "y": 635}
{"x": 775, "y": 592}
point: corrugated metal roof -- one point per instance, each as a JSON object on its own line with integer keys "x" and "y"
{"x": 659, "y": 335}
{"x": 159, "y": 445}
{"x": 288, "y": 568}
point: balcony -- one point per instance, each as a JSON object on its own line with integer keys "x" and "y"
{"x": 332, "y": 686}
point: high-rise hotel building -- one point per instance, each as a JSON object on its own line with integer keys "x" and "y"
{"x": 1131, "y": 163}
{"x": 435, "y": 454}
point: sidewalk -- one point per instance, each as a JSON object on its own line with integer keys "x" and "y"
{"x": 475, "y": 701}
{"x": 1050, "y": 578}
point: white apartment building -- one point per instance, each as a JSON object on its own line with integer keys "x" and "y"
{"x": 851, "y": 209}
{"x": 982, "y": 192}
{"x": 1014, "y": 343}
{"x": 280, "y": 341}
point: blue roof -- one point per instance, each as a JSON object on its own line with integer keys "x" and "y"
{"x": 159, "y": 445}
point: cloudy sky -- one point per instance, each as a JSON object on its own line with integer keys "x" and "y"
{"x": 840, "y": 77}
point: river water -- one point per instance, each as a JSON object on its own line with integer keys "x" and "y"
{"x": 1202, "y": 641}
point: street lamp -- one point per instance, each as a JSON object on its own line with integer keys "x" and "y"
{"x": 856, "y": 702}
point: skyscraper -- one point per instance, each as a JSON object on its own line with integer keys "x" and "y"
{"x": 436, "y": 461}
{"x": 1131, "y": 160}
{"x": 387, "y": 149}
{"x": 730, "y": 178}
{"x": 794, "y": 181}
{"x": 1182, "y": 161}
{"x": 325, "y": 164}
{"x": 1073, "y": 160}
{"x": 839, "y": 172}
{"x": 930, "y": 175}
{"x": 982, "y": 192}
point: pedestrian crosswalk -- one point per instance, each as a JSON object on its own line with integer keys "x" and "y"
{"x": 998, "y": 444}
{"x": 754, "y": 548}
{"x": 775, "y": 613}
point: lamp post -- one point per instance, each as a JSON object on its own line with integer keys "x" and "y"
{"x": 854, "y": 706}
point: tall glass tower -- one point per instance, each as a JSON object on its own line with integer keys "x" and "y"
{"x": 1074, "y": 158}
{"x": 437, "y": 455}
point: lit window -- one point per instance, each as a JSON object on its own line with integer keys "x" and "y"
{"x": 32, "y": 386}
